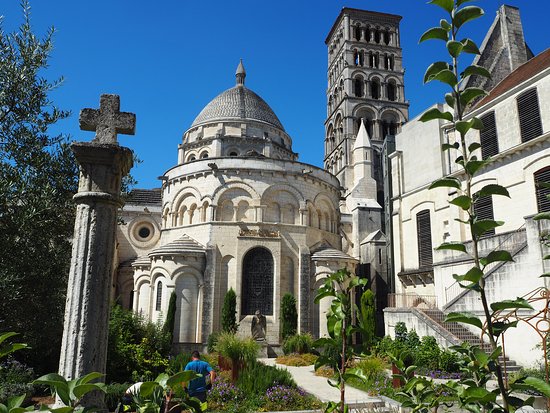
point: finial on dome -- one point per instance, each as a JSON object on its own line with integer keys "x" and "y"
{"x": 240, "y": 74}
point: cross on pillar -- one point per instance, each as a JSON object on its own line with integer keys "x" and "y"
{"x": 108, "y": 120}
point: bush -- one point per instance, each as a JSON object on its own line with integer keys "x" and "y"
{"x": 178, "y": 363}
{"x": 212, "y": 341}
{"x": 367, "y": 320}
{"x": 256, "y": 378}
{"x": 449, "y": 361}
{"x": 281, "y": 398}
{"x": 222, "y": 392}
{"x": 136, "y": 349}
{"x": 297, "y": 360}
{"x": 229, "y": 311}
{"x": 373, "y": 367}
{"x": 114, "y": 393}
{"x": 299, "y": 343}
{"x": 289, "y": 316}
{"x": 427, "y": 354}
{"x": 15, "y": 379}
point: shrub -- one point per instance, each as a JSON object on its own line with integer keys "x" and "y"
{"x": 178, "y": 363}
{"x": 281, "y": 398}
{"x": 297, "y": 360}
{"x": 114, "y": 393}
{"x": 367, "y": 320}
{"x": 373, "y": 367}
{"x": 449, "y": 361}
{"x": 289, "y": 316}
{"x": 229, "y": 311}
{"x": 15, "y": 379}
{"x": 427, "y": 354}
{"x": 212, "y": 341}
{"x": 168, "y": 326}
{"x": 223, "y": 391}
{"x": 299, "y": 343}
{"x": 256, "y": 378}
{"x": 237, "y": 349}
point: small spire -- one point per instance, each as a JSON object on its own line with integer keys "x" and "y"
{"x": 362, "y": 139}
{"x": 240, "y": 74}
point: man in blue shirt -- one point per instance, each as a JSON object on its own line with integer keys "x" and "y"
{"x": 197, "y": 387}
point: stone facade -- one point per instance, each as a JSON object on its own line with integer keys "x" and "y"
{"x": 517, "y": 139}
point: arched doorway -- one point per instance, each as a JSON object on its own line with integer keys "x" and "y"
{"x": 257, "y": 286}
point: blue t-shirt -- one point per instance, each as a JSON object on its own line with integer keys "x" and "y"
{"x": 198, "y": 385}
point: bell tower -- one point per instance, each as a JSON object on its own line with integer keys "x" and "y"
{"x": 365, "y": 84}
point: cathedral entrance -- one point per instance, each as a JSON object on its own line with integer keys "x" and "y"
{"x": 257, "y": 290}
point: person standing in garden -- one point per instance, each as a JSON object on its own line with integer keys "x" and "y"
{"x": 197, "y": 387}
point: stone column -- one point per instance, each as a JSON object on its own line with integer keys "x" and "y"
{"x": 304, "y": 291}
{"x": 102, "y": 163}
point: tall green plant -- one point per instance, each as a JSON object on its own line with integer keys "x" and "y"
{"x": 336, "y": 348}
{"x": 289, "y": 316}
{"x": 366, "y": 319}
{"x": 229, "y": 312}
{"x": 472, "y": 393}
{"x": 168, "y": 326}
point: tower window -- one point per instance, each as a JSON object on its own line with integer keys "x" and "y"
{"x": 375, "y": 89}
{"x": 159, "y": 297}
{"x": 392, "y": 90}
{"x": 377, "y": 36}
{"x": 358, "y": 87}
{"x": 488, "y": 136}
{"x": 233, "y": 153}
{"x": 483, "y": 208}
{"x": 424, "y": 238}
{"x": 357, "y": 32}
{"x": 529, "y": 115}
{"x": 543, "y": 202}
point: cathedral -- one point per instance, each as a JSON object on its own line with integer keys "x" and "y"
{"x": 240, "y": 211}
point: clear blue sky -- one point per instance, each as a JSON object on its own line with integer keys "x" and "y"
{"x": 167, "y": 59}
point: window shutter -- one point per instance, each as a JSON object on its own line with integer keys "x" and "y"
{"x": 488, "y": 136}
{"x": 529, "y": 115}
{"x": 483, "y": 208}
{"x": 424, "y": 234}
{"x": 543, "y": 203}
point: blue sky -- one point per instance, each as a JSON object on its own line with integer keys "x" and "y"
{"x": 167, "y": 59}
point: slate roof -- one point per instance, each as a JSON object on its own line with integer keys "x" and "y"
{"x": 238, "y": 103}
{"x": 526, "y": 71}
{"x": 145, "y": 197}
{"x": 331, "y": 254}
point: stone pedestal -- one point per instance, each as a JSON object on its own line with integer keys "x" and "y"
{"x": 84, "y": 346}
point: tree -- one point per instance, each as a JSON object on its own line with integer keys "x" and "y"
{"x": 168, "y": 326}
{"x": 37, "y": 180}
{"x": 289, "y": 316}
{"x": 366, "y": 319}
{"x": 229, "y": 311}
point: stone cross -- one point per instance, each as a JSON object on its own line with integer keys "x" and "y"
{"x": 108, "y": 120}
{"x": 102, "y": 164}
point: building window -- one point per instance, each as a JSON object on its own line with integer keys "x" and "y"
{"x": 257, "y": 288}
{"x": 358, "y": 86}
{"x": 543, "y": 202}
{"x": 424, "y": 238}
{"x": 529, "y": 115}
{"x": 375, "y": 89}
{"x": 483, "y": 208}
{"x": 488, "y": 136}
{"x": 159, "y": 296}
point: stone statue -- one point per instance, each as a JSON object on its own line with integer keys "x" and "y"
{"x": 258, "y": 326}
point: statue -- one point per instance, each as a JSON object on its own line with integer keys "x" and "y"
{"x": 258, "y": 326}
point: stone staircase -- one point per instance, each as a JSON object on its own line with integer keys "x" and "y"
{"x": 459, "y": 334}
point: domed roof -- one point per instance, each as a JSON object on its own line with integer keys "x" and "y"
{"x": 238, "y": 102}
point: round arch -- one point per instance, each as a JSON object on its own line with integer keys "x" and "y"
{"x": 258, "y": 270}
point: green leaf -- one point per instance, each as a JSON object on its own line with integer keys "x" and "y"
{"x": 447, "y": 146}
{"x": 466, "y": 14}
{"x": 481, "y": 226}
{"x": 445, "y": 76}
{"x": 454, "y": 246}
{"x": 82, "y": 389}
{"x": 495, "y": 256}
{"x": 500, "y": 327}
{"x": 473, "y": 275}
{"x": 493, "y": 189}
{"x": 16, "y": 401}
{"x": 89, "y": 377}
{"x": 509, "y": 304}
{"x": 473, "y": 146}
{"x": 181, "y": 377}
{"x": 478, "y": 394}
{"x": 435, "y": 113}
{"x": 473, "y": 166}
{"x": 450, "y": 99}
{"x": 446, "y": 182}
{"x": 470, "y": 93}
{"x": 537, "y": 384}
{"x": 434, "y": 69}
{"x": 147, "y": 388}
{"x": 59, "y": 384}
{"x": 545, "y": 275}
{"x": 542, "y": 215}
{"x": 434, "y": 33}
{"x": 454, "y": 48}
{"x": 446, "y": 5}
{"x": 445, "y": 25}
{"x": 461, "y": 2}
{"x": 466, "y": 318}
{"x": 462, "y": 201}
{"x": 476, "y": 70}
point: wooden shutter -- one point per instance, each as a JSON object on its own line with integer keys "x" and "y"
{"x": 483, "y": 208}
{"x": 488, "y": 136}
{"x": 424, "y": 234}
{"x": 543, "y": 203}
{"x": 529, "y": 115}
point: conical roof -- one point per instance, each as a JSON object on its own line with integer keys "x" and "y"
{"x": 181, "y": 246}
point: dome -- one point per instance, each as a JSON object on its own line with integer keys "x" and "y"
{"x": 238, "y": 103}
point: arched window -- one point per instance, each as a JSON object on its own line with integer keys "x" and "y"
{"x": 257, "y": 287}
{"x": 377, "y": 36}
{"x": 392, "y": 90}
{"x": 358, "y": 86}
{"x": 355, "y": 57}
{"x": 357, "y": 32}
{"x": 158, "y": 303}
{"x": 233, "y": 153}
{"x": 375, "y": 88}
{"x": 204, "y": 155}
{"x": 361, "y": 58}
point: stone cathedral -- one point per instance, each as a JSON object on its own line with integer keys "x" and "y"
{"x": 240, "y": 211}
